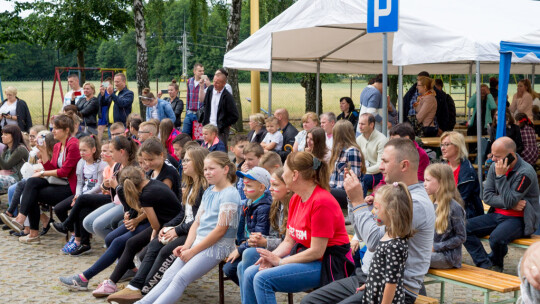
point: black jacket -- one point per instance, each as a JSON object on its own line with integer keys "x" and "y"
{"x": 258, "y": 137}
{"x": 178, "y": 107}
{"x": 289, "y": 132}
{"x": 443, "y": 119}
{"x": 227, "y": 113}
{"x": 24, "y": 119}
{"x": 88, "y": 109}
{"x": 123, "y": 102}
{"x": 449, "y": 101}
{"x": 468, "y": 186}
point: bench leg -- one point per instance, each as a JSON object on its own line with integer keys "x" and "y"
{"x": 221, "y": 285}
{"x": 486, "y": 297}
{"x": 290, "y": 298}
{"x": 442, "y": 292}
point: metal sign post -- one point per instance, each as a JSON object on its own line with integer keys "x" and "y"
{"x": 383, "y": 20}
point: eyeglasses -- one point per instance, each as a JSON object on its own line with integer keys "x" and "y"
{"x": 446, "y": 145}
{"x": 144, "y": 132}
{"x": 117, "y": 134}
{"x": 186, "y": 160}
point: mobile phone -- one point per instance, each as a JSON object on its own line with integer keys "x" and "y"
{"x": 510, "y": 157}
{"x": 164, "y": 91}
{"x": 41, "y": 140}
{"x": 105, "y": 84}
{"x": 78, "y": 93}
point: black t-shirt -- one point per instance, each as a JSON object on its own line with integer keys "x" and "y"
{"x": 170, "y": 173}
{"x": 158, "y": 196}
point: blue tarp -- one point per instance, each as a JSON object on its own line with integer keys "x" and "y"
{"x": 507, "y": 48}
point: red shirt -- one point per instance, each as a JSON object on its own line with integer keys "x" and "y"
{"x": 509, "y": 212}
{"x": 319, "y": 216}
{"x": 456, "y": 174}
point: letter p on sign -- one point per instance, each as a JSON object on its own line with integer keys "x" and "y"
{"x": 382, "y": 16}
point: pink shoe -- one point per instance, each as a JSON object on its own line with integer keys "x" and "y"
{"x": 105, "y": 289}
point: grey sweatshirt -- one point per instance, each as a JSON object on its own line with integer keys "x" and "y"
{"x": 420, "y": 244}
{"x": 449, "y": 242}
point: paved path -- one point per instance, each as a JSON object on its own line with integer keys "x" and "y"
{"x": 29, "y": 274}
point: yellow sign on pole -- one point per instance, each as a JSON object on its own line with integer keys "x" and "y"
{"x": 255, "y": 75}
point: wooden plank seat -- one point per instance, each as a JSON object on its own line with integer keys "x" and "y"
{"x": 425, "y": 300}
{"x": 520, "y": 243}
{"x": 476, "y": 278}
{"x": 222, "y": 278}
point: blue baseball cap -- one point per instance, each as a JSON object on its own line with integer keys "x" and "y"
{"x": 257, "y": 174}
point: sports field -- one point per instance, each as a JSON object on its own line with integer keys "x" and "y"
{"x": 290, "y": 96}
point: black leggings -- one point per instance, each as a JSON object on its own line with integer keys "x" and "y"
{"x": 61, "y": 209}
{"x": 133, "y": 245}
{"x": 155, "y": 262}
{"x": 84, "y": 205}
{"x": 36, "y": 190}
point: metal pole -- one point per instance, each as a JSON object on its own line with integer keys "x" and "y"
{"x": 400, "y": 93}
{"x": 42, "y": 103}
{"x": 317, "y": 87}
{"x": 533, "y": 76}
{"x": 470, "y": 89}
{"x": 479, "y": 125}
{"x": 270, "y": 90}
{"x": 385, "y": 84}
{"x": 157, "y": 86}
{"x": 350, "y": 90}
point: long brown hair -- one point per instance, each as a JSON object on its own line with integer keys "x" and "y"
{"x": 398, "y": 205}
{"x": 196, "y": 156}
{"x": 319, "y": 142}
{"x": 165, "y": 128}
{"x": 310, "y": 168}
{"x": 343, "y": 134}
{"x": 276, "y": 204}
{"x": 131, "y": 178}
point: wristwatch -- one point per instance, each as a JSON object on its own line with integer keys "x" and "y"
{"x": 41, "y": 173}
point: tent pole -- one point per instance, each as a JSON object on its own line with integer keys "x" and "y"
{"x": 532, "y": 79}
{"x": 318, "y": 97}
{"x": 468, "y": 113}
{"x": 270, "y": 79}
{"x": 400, "y": 93}
{"x": 385, "y": 85}
{"x": 479, "y": 125}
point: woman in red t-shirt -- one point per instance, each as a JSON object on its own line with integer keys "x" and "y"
{"x": 316, "y": 232}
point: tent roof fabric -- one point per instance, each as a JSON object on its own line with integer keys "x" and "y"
{"x": 432, "y": 36}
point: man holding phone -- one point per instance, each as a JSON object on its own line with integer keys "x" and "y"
{"x": 73, "y": 96}
{"x": 511, "y": 189}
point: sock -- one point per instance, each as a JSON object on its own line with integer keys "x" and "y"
{"x": 132, "y": 288}
{"x": 81, "y": 276}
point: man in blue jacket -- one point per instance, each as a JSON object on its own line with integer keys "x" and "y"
{"x": 122, "y": 98}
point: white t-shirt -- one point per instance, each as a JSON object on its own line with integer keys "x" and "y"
{"x": 154, "y": 112}
{"x": 277, "y": 138}
{"x": 67, "y": 97}
{"x": 90, "y": 176}
{"x": 214, "y": 110}
{"x": 300, "y": 138}
{"x": 11, "y": 110}
{"x": 189, "y": 209}
{"x": 329, "y": 142}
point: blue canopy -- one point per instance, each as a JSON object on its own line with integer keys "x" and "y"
{"x": 507, "y": 48}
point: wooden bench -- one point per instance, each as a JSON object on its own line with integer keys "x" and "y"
{"x": 520, "y": 243}
{"x": 425, "y": 300}
{"x": 222, "y": 278}
{"x": 476, "y": 278}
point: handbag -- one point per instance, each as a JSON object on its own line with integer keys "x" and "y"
{"x": 53, "y": 180}
{"x": 200, "y": 114}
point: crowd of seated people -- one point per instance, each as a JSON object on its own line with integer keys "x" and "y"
{"x": 270, "y": 204}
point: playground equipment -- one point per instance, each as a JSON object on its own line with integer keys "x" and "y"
{"x": 58, "y": 71}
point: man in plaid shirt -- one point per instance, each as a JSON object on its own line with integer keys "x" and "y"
{"x": 195, "y": 97}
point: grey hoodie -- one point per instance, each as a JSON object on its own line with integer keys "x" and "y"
{"x": 420, "y": 244}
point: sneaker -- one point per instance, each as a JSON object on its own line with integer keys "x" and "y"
{"x": 70, "y": 246}
{"x": 125, "y": 296}
{"x": 130, "y": 274}
{"x": 497, "y": 268}
{"x": 59, "y": 227}
{"x": 81, "y": 249}
{"x": 74, "y": 283}
{"x": 105, "y": 289}
{"x": 29, "y": 240}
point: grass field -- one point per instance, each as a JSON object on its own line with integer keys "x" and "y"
{"x": 290, "y": 96}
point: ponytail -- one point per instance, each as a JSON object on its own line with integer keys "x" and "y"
{"x": 310, "y": 168}
{"x": 92, "y": 142}
{"x": 128, "y": 144}
{"x": 131, "y": 178}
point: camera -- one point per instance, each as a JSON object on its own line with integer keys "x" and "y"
{"x": 41, "y": 140}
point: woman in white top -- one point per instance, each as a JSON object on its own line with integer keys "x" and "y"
{"x": 309, "y": 121}
{"x": 14, "y": 111}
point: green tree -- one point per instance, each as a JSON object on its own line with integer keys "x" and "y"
{"x": 12, "y": 30}
{"x": 75, "y": 25}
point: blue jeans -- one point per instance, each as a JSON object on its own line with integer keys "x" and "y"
{"x": 116, "y": 242}
{"x": 369, "y": 181}
{"x": 104, "y": 219}
{"x": 261, "y": 286}
{"x": 501, "y": 229}
{"x": 230, "y": 270}
{"x": 249, "y": 257}
{"x": 10, "y": 192}
{"x": 187, "y": 127}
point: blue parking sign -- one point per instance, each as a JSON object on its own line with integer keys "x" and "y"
{"x": 382, "y": 16}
